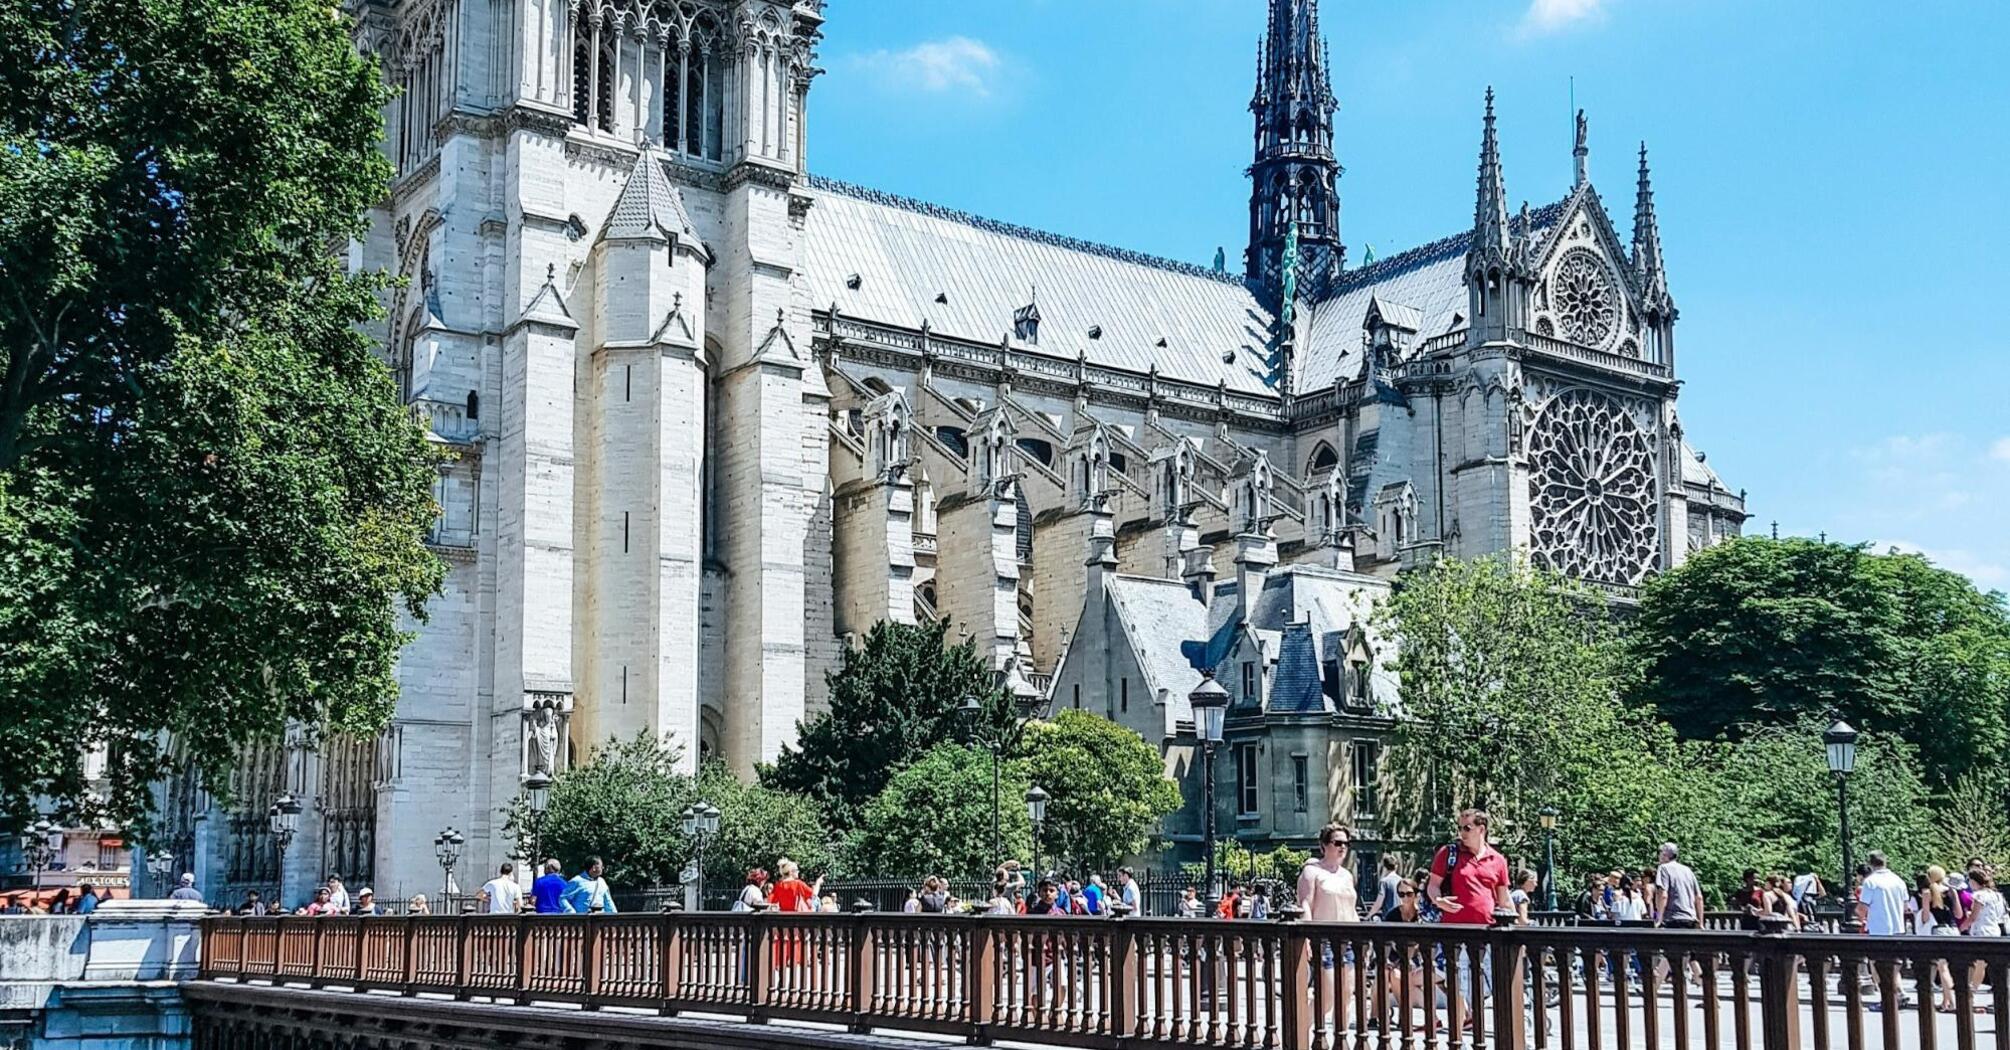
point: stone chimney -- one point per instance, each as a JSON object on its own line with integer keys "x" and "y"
{"x": 1255, "y": 555}
{"x": 1197, "y": 569}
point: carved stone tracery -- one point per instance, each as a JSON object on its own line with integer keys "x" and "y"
{"x": 1586, "y": 300}
{"x": 1592, "y": 490}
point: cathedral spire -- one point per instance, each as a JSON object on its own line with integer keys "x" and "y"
{"x": 1647, "y": 261}
{"x": 1490, "y": 215}
{"x": 1294, "y": 175}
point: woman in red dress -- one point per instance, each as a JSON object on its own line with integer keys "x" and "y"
{"x": 791, "y": 894}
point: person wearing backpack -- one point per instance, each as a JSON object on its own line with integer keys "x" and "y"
{"x": 1469, "y": 882}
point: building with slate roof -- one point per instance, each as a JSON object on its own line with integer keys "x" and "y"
{"x": 714, "y": 415}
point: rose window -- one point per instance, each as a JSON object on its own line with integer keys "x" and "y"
{"x": 1591, "y": 490}
{"x": 1586, "y": 303}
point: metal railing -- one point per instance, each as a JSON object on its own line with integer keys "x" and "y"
{"x": 1162, "y": 982}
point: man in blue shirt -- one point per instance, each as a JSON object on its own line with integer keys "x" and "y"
{"x": 1092, "y": 895}
{"x": 87, "y": 901}
{"x": 587, "y": 892}
{"x": 548, "y": 892}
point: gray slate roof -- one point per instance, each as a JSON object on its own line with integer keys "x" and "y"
{"x": 1295, "y": 686}
{"x": 907, "y": 253}
{"x": 1429, "y": 279}
{"x": 649, "y": 205}
{"x": 1160, "y": 614}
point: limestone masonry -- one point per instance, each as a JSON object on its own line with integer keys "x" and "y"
{"x": 715, "y": 415}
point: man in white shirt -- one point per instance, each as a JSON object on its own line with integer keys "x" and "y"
{"x": 338, "y": 897}
{"x": 1880, "y": 904}
{"x": 1127, "y": 893}
{"x": 501, "y": 895}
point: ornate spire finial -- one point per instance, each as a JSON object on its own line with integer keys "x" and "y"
{"x": 1647, "y": 259}
{"x": 1490, "y": 220}
{"x": 1294, "y": 175}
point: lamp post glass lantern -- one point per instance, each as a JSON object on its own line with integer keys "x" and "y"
{"x": 1036, "y": 808}
{"x": 283, "y": 820}
{"x": 1549, "y": 858}
{"x": 701, "y": 822}
{"x": 160, "y": 866}
{"x": 36, "y": 849}
{"x": 1210, "y": 708}
{"x": 1840, "y": 741}
{"x": 447, "y": 850}
{"x": 972, "y": 709}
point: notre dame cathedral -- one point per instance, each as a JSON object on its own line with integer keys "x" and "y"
{"x": 714, "y": 415}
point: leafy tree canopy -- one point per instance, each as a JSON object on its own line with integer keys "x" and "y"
{"x": 892, "y": 699}
{"x": 935, "y": 817}
{"x": 625, "y": 804}
{"x": 1765, "y": 632}
{"x": 1509, "y": 678}
{"x": 1107, "y": 787}
{"x": 212, "y": 505}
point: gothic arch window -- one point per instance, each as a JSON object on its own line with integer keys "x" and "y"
{"x": 955, "y": 438}
{"x": 1038, "y": 449}
{"x": 474, "y": 406}
{"x": 1323, "y": 458}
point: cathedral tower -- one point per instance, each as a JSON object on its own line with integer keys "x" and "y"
{"x": 1500, "y": 274}
{"x": 1294, "y": 177}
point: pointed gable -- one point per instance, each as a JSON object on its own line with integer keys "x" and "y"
{"x": 650, "y": 207}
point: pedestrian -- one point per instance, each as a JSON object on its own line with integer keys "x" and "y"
{"x": 1749, "y": 901}
{"x": 87, "y": 899}
{"x": 1807, "y": 888}
{"x": 1048, "y": 900}
{"x": 1228, "y": 906}
{"x": 13, "y": 907}
{"x": 253, "y": 905}
{"x": 1326, "y": 892}
{"x": 1942, "y": 903}
{"x": 547, "y": 894}
{"x": 1678, "y": 897}
{"x": 1986, "y": 918}
{"x": 501, "y": 895}
{"x": 1128, "y": 898}
{"x": 1259, "y": 902}
{"x": 1385, "y": 903}
{"x": 1093, "y": 894}
{"x": 1520, "y": 897}
{"x": 366, "y": 902}
{"x": 791, "y": 893}
{"x": 1880, "y": 897}
{"x": 1587, "y": 902}
{"x": 1190, "y": 906}
{"x": 338, "y": 895}
{"x": 934, "y": 896}
{"x": 186, "y": 891}
{"x": 754, "y": 895}
{"x": 418, "y": 906}
{"x": 587, "y": 893}
{"x": 1469, "y": 882}
{"x": 322, "y": 904}
{"x": 60, "y": 903}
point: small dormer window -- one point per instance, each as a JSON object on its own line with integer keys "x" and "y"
{"x": 1026, "y": 323}
{"x": 1095, "y": 331}
{"x": 942, "y": 297}
{"x": 853, "y": 282}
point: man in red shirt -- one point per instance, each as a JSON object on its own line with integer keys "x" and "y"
{"x": 1469, "y": 882}
{"x": 1469, "y": 878}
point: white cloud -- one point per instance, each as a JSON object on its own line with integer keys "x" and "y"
{"x": 1550, "y": 16}
{"x": 2000, "y": 451}
{"x": 952, "y": 64}
{"x": 1987, "y": 574}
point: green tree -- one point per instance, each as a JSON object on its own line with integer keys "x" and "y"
{"x": 759, "y": 825}
{"x": 625, "y": 805}
{"x": 1970, "y": 823}
{"x": 1509, "y": 680}
{"x": 935, "y": 817}
{"x": 1107, "y": 787}
{"x": 892, "y": 699}
{"x": 1765, "y": 632}
{"x": 212, "y": 505}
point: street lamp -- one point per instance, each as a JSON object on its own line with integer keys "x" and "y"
{"x": 537, "y": 791}
{"x": 1549, "y": 858}
{"x": 1840, "y": 739}
{"x": 1036, "y": 808}
{"x": 973, "y": 710}
{"x": 701, "y": 822}
{"x": 447, "y": 850}
{"x": 160, "y": 865}
{"x": 1210, "y": 706}
{"x": 36, "y": 849}
{"x": 283, "y": 820}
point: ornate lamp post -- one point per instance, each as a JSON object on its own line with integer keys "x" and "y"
{"x": 1036, "y": 808}
{"x": 1210, "y": 707}
{"x": 1840, "y": 739}
{"x": 447, "y": 850}
{"x": 36, "y": 852}
{"x": 701, "y": 822}
{"x": 1549, "y": 858}
{"x": 283, "y": 820}
{"x": 160, "y": 866}
{"x": 997, "y": 740}
{"x": 537, "y": 791}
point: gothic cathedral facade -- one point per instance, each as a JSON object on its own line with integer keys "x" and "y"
{"x": 714, "y": 415}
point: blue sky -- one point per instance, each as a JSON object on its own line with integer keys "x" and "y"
{"x": 1831, "y": 180}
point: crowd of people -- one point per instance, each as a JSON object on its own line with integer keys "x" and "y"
{"x": 83, "y": 902}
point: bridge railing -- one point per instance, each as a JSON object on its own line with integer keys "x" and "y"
{"x": 1108, "y": 983}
